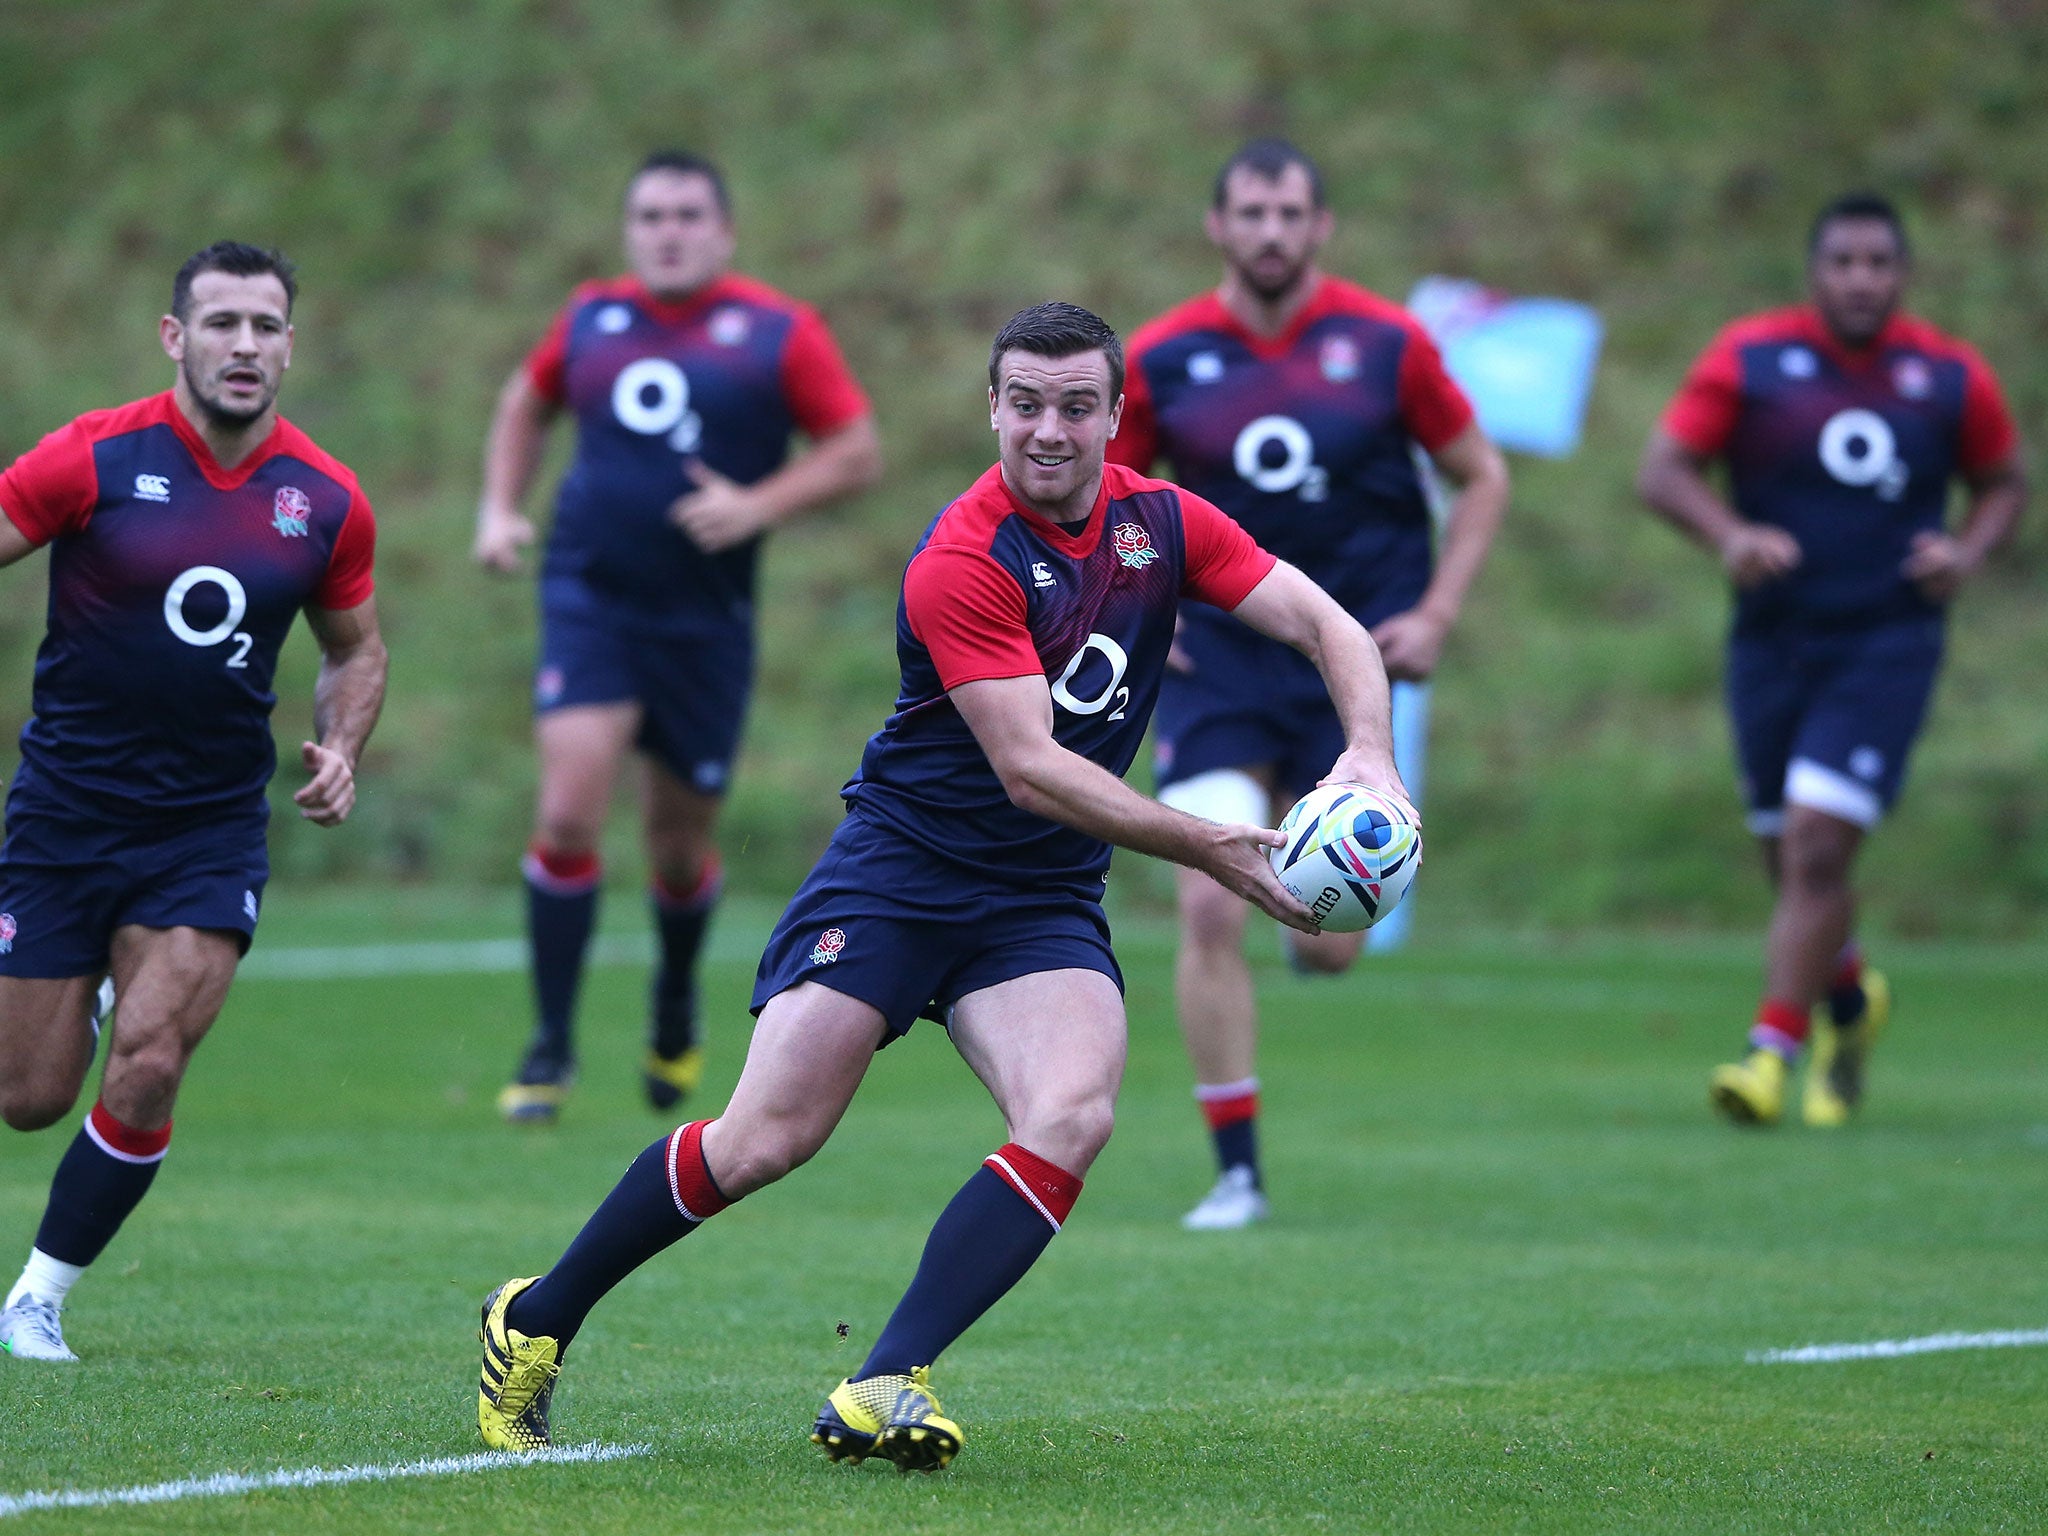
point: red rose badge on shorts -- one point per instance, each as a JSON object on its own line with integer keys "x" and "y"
{"x": 288, "y": 513}
{"x": 1133, "y": 545}
{"x": 830, "y": 942}
{"x": 7, "y": 933}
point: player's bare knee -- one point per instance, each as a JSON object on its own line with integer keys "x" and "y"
{"x": 1072, "y": 1134}
{"x": 753, "y": 1156}
{"x": 1211, "y": 918}
{"x": 35, "y": 1106}
{"x": 1328, "y": 954}
{"x": 1816, "y": 863}
{"x": 565, "y": 836}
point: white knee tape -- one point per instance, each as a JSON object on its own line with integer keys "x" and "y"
{"x": 1226, "y": 795}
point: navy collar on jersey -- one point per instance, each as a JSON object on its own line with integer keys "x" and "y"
{"x": 202, "y": 455}
{"x": 1079, "y": 545}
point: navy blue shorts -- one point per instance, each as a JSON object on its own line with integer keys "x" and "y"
{"x": 66, "y": 884}
{"x": 1827, "y": 720}
{"x": 1249, "y": 701}
{"x": 692, "y": 682}
{"x": 889, "y": 922}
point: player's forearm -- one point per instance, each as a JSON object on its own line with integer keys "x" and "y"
{"x": 1065, "y": 787}
{"x": 1356, "y": 678}
{"x": 349, "y": 696}
{"x": 841, "y": 464}
{"x": 1996, "y": 506}
{"x": 1469, "y": 528}
{"x": 512, "y": 448}
{"x": 1677, "y": 491}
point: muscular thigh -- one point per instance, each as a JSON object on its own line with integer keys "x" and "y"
{"x": 1050, "y": 1048}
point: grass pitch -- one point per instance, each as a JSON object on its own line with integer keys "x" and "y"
{"x": 1512, "y": 1282}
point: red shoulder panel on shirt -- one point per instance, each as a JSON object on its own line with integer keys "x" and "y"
{"x": 1703, "y": 413}
{"x": 51, "y": 489}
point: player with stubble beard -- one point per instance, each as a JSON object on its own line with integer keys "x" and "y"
{"x": 1296, "y": 402}
{"x": 187, "y": 531}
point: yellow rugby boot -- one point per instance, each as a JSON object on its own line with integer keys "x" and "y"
{"x": 893, "y": 1416}
{"x": 1841, "y": 1054}
{"x": 1750, "y": 1091}
{"x": 671, "y": 1079}
{"x": 518, "y": 1377}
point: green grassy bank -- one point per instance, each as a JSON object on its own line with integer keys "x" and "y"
{"x": 443, "y": 174}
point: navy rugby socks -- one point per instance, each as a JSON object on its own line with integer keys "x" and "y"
{"x": 666, "y": 1194}
{"x": 982, "y": 1244}
{"x": 103, "y": 1176}
{"x": 561, "y": 910}
{"x": 1232, "y": 1110}
{"x": 681, "y": 918}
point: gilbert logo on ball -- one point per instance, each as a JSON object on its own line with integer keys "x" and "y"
{"x": 1351, "y": 854}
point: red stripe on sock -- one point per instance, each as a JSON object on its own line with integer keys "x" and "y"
{"x": 1230, "y": 1111}
{"x": 560, "y": 871}
{"x": 126, "y": 1140}
{"x": 697, "y": 1194}
{"x": 710, "y": 880}
{"x": 1788, "y": 1019}
{"x": 1848, "y": 968}
{"x": 1046, "y": 1185}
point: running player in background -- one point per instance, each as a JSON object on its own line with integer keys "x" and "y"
{"x": 686, "y": 381}
{"x": 1294, "y": 401}
{"x": 965, "y": 882}
{"x": 186, "y": 532}
{"x": 1842, "y": 422}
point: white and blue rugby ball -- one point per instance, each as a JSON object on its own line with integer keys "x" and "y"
{"x": 1351, "y": 854}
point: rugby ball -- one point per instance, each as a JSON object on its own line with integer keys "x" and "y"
{"x": 1350, "y": 854}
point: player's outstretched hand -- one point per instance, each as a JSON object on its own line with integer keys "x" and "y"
{"x": 331, "y": 795}
{"x": 1938, "y": 565}
{"x": 1756, "y": 553}
{"x": 719, "y": 513}
{"x": 1240, "y": 862}
{"x": 1410, "y": 644}
{"x": 500, "y": 539}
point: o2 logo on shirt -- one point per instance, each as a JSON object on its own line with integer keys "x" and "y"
{"x": 1295, "y": 469}
{"x": 1112, "y": 691}
{"x": 224, "y": 628}
{"x": 652, "y": 397}
{"x": 1857, "y": 447}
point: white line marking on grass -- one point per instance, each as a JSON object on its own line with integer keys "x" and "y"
{"x": 223, "y": 1483}
{"x": 1889, "y": 1349}
{"x": 472, "y": 957}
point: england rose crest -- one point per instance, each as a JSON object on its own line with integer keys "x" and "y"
{"x": 7, "y": 933}
{"x": 830, "y": 942}
{"x": 290, "y": 511}
{"x": 1133, "y": 545}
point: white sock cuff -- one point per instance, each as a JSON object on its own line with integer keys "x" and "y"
{"x": 1210, "y": 1093}
{"x": 46, "y": 1277}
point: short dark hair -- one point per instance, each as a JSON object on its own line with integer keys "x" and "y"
{"x": 1058, "y": 329}
{"x": 237, "y": 260}
{"x": 684, "y": 163}
{"x": 1268, "y": 160}
{"x": 1858, "y": 205}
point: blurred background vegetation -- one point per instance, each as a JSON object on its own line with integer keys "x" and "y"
{"x": 443, "y": 174}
